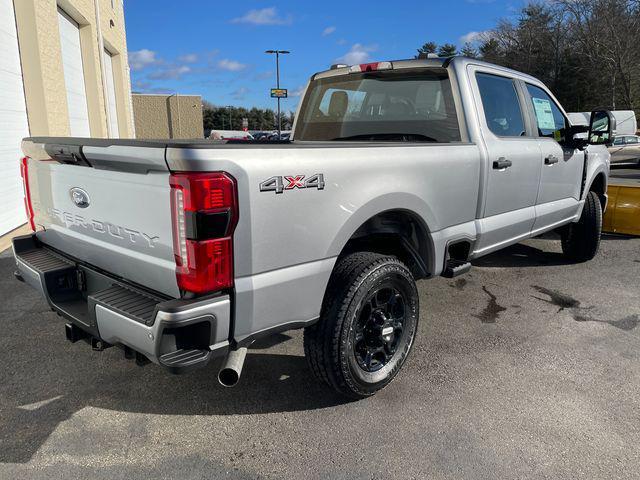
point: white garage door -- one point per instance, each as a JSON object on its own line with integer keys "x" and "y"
{"x": 13, "y": 122}
{"x": 73, "y": 75}
{"x": 114, "y": 131}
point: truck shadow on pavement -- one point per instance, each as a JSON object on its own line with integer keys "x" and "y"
{"x": 45, "y": 380}
{"x": 30, "y": 413}
{"x": 521, "y": 255}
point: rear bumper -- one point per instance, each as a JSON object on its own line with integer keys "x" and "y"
{"x": 179, "y": 335}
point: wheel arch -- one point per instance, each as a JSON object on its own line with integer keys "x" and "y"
{"x": 400, "y": 232}
{"x": 599, "y": 186}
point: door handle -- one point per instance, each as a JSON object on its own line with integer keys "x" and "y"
{"x": 502, "y": 163}
{"x": 550, "y": 160}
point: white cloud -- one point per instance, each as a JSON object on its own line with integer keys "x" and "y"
{"x": 147, "y": 87}
{"x": 328, "y": 31}
{"x": 263, "y": 16}
{"x": 471, "y": 37}
{"x": 240, "y": 93}
{"x": 231, "y": 65}
{"x": 173, "y": 72}
{"x": 265, "y": 75}
{"x": 189, "y": 58}
{"x": 141, "y": 59}
{"x": 297, "y": 92}
{"x": 357, "y": 54}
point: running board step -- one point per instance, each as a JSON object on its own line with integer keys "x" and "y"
{"x": 133, "y": 304}
{"x": 184, "y": 360}
{"x": 455, "y": 268}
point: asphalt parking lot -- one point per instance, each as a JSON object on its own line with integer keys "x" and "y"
{"x": 527, "y": 367}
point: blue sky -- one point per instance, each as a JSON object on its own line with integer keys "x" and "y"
{"x": 216, "y": 49}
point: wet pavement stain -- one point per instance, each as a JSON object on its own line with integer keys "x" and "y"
{"x": 492, "y": 311}
{"x": 627, "y": 323}
{"x": 557, "y": 298}
{"x": 459, "y": 284}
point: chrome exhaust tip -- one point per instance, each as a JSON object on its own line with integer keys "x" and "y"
{"x": 231, "y": 370}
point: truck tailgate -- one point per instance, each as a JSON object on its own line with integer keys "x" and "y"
{"x": 114, "y": 216}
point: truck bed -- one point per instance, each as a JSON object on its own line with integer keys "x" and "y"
{"x": 130, "y": 196}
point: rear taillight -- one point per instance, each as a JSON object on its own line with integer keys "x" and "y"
{"x": 28, "y": 206}
{"x": 204, "y": 210}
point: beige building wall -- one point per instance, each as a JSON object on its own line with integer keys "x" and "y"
{"x": 168, "y": 116}
{"x": 40, "y": 54}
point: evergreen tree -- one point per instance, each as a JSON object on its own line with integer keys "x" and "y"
{"x": 447, "y": 50}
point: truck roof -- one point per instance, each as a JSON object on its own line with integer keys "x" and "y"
{"x": 457, "y": 61}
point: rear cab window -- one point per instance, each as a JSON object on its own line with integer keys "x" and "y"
{"x": 501, "y": 105}
{"x": 393, "y": 105}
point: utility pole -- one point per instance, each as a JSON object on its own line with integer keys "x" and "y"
{"x": 229, "y": 107}
{"x": 278, "y": 53}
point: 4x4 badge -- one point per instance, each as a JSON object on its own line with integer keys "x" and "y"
{"x": 288, "y": 182}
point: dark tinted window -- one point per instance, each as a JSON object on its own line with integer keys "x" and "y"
{"x": 550, "y": 120}
{"x": 501, "y": 106}
{"x": 619, "y": 141}
{"x": 631, "y": 139}
{"x": 383, "y": 106}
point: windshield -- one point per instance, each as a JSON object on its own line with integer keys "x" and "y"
{"x": 414, "y": 105}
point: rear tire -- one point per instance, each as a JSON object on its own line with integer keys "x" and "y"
{"x": 581, "y": 240}
{"x": 367, "y": 325}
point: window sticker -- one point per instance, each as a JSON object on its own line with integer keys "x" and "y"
{"x": 544, "y": 114}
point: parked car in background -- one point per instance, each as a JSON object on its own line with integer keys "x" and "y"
{"x": 271, "y": 135}
{"x": 229, "y": 135}
{"x": 262, "y": 136}
{"x": 625, "y": 149}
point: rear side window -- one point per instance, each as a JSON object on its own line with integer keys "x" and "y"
{"x": 631, "y": 140}
{"x": 415, "y": 106}
{"x": 501, "y": 105}
{"x": 550, "y": 120}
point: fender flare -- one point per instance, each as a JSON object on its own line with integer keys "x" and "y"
{"x": 600, "y": 170}
{"x": 405, "y": 202}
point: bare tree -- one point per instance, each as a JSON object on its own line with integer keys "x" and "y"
{"x": 608, "y": 33}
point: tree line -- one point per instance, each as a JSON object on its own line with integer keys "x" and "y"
{"x": 585, "y": 51}
{"x": 230, "y": 118}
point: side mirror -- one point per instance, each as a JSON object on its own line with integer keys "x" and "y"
{"x": 601, "y": 127}
{"x": 578, "y": 137}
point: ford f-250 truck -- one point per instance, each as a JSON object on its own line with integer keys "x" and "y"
{"x": 180, "y": 251}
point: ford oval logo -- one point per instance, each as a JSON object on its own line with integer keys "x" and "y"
{"x": 79, "y": 197}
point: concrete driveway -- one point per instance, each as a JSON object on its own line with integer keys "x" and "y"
{"x": 527, "y": 367}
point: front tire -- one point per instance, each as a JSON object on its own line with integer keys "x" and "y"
{"x": 581, "y": 240}
{"x": 367, "y": 325}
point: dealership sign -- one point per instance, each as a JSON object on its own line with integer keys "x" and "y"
{"x": 278, "y": 93}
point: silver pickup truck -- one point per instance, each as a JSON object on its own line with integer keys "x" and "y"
{"x": 181, "y": 251}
